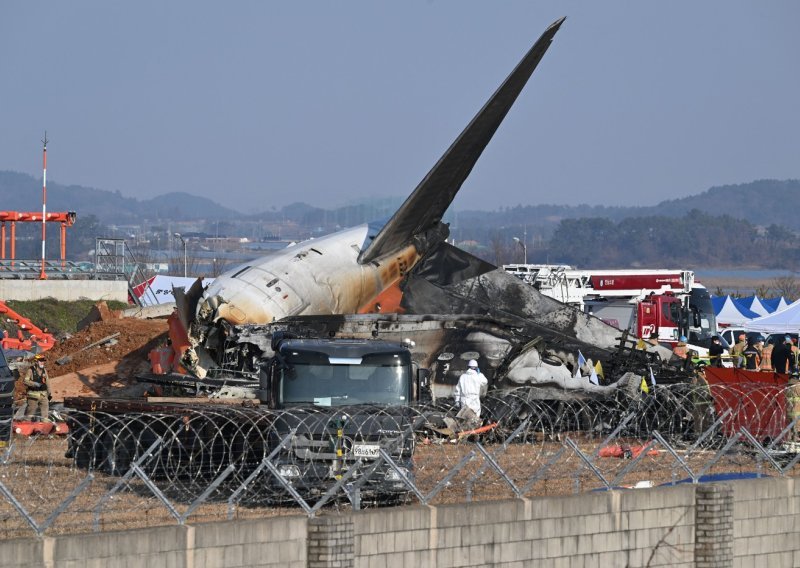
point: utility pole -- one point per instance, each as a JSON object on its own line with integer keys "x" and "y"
{"x": 42, "y": 275}
{"x": 183, "y": 242}
{"x": 524, "y": 244}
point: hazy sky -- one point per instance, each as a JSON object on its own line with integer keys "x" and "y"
{"x": 259, "y": 104}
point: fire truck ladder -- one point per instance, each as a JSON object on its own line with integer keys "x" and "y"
{"x": 114, "y": 259}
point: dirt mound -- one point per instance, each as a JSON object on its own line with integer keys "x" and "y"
{"x": 136, "y": 338}
{"x": 99, "y": 312}
{"x": 106, "y": 368}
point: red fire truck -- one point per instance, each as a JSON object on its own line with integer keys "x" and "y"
{"x": 669, "y": 303}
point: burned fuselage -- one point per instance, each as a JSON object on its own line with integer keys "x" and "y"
{"x": 346, "y": 271}
{"x": 509, "y": 354}
{"x": 518, "y": 334}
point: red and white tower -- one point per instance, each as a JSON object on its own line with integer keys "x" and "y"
{"x": 42, "y": 275}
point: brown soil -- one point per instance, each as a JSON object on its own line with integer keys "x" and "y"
{"x": 103, "y": 369}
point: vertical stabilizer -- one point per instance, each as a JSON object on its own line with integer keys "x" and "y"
{"x": 426, "y": 206}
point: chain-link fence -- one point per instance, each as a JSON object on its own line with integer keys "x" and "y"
{"x": 117, "y": 470}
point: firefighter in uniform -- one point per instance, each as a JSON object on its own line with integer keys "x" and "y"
{"x": 752, "y": 356}
{"x": 793, "y": 405}
{"x": 701, "y": 395}
{"x": 766, "y": 356}
{"x": 737, "y": 353}
{"x": 36, "y": 380}
{"x": 681, "y": 350}
{"x": 680, "y": 354}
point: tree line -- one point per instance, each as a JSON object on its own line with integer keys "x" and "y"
{"x": 696, "y": 239}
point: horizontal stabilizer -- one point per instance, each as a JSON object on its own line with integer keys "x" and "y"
{"x": 426, "y": 206}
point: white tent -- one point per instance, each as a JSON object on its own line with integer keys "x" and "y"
{"x": 754, "y": 304}
{"x": 786, "y": 320}
{"x": 731, "y": 313}
{"x": 775, "y": 304}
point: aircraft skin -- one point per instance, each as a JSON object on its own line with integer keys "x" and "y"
{"x": 344, "y": 272}
{"x": 320, "y": 276}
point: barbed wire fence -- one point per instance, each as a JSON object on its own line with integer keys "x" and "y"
{"x": 119, "y": 470}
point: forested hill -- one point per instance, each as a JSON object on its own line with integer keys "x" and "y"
{"x": 762, "y": 203}
{"x": 22, "y": 192}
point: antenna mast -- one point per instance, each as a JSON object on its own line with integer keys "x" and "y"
{"x": 42, "y": 275}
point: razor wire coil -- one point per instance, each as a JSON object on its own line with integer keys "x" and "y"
{"x": 121, "y": 469}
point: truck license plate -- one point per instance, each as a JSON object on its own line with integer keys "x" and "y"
{"x": 366, "y": 450}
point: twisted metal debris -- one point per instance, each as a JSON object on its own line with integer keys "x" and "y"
{"x": 127, "y": 470}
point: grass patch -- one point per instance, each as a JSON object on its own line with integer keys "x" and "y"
{"x": 59, "y": 317}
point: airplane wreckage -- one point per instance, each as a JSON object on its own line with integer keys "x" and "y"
{"x": 395, "y": 302}
{"x": 387, "y": 280}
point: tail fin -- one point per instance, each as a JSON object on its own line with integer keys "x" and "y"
{"x": 426, "y": 206}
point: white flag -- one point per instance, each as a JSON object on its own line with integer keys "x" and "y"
{"x": 652, "y": 378}
{"x": 593, "y": 378}
{"x": 581, "y": 363}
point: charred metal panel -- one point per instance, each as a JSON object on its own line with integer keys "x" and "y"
{"x": 451, "y": 281}
{"x": 186, "y": 301}
{"x": 445, "y": 343}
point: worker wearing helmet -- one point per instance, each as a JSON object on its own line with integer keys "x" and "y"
{"x": 737, "y": 353}
{"x": 752, "y": 354}
{"x": 36, "y": 379}
{"x": 793, "y": 405}
{"x": 681, "y": 349}
{"x": 471, "y": 384}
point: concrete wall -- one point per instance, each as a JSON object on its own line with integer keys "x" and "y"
{"x": 275, "y": 542}
{"x": 741, "y": 524}
{"x": 67, "y": 290}
{"x": 630, "y": 528}
{"x": 766, "y": 526}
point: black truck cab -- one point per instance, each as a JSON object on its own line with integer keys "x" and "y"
{"x": 338, "y": 372}
{"x": 343, "y": 400}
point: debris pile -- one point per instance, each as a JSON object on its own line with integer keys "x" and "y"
{"x": 106, "y": 367}
{"x": 136, "y": 338}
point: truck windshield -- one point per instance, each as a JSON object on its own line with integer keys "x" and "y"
{"x": 702, "y": 321}
{"x": 342, "y": 385}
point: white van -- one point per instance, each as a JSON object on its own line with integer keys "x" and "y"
{"x": 730, "y": 335}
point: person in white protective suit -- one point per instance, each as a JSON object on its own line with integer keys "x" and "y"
{"x": 471, "y": 384}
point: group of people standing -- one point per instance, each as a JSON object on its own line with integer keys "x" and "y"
{"x": 782, "y": 356}
{"x": 751, "y": 353}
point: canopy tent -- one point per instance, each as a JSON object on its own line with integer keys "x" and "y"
{"x": 775, "y": 304}
{"x": 786, "y": 320}
{"x": 754, "y": 303}
{"x": 731, "y": 313}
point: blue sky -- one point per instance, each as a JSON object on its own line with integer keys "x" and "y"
{"x": 261, "y": 104}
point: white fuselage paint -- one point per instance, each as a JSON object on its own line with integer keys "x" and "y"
{"x": 316, "y": 277}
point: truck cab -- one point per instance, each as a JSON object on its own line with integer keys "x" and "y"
{"x": 670, "y": 316}
{"x": 338, "y": 372}
{"x": 342, "y": 401}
